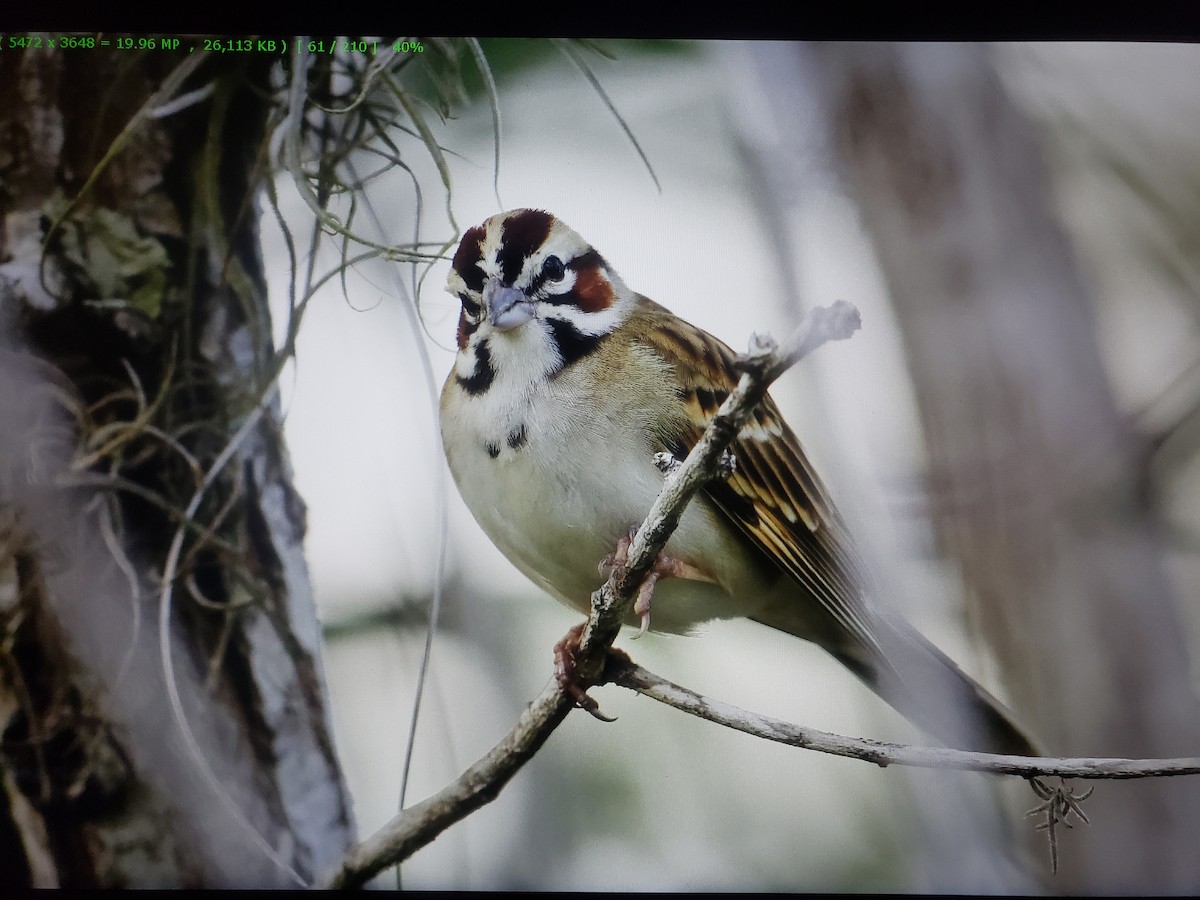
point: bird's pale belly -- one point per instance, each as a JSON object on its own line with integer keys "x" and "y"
{"x": 556, "y": 517}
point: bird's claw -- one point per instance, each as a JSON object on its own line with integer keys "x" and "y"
{"x": 664, "y": 567}
{"x": 620, "y": 556}
{"x": 641, "y": 605}
{"x": 564, "y": 673}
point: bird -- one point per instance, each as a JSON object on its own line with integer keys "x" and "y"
{"x": 567, "y": 384}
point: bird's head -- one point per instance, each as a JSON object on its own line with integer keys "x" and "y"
{"x": 530, "y": 285}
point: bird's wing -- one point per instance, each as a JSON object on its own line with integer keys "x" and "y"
{"x": 774, "y": 496}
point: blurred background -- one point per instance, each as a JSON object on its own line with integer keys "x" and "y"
{"x": 755, "y": 219}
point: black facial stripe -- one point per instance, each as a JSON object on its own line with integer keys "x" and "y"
{"x": 473, "y": 309}
{"x": 590, "y": 260}
{"x": 570, "y": 298}
{"x": 485, "y": 373}
{"x": 536, "y": 285}
{"x": 572, "y": 343}
{"x": 523, "y": 234}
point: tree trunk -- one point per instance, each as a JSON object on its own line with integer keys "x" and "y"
{"x": 151, "y": 733}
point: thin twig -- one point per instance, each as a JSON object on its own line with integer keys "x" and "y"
{"x": 477, "y": 786}
{"x": 629, "y": 675}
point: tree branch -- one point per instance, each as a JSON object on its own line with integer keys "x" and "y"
{"x": 482, "y": 782}
{"x": 630, "y": 675}
{"x": 479, "y": 785}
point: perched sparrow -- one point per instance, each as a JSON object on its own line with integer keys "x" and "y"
{"x": 567, "y": 384}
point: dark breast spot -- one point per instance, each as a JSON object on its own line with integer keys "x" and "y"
{"x": 517, "y": 438}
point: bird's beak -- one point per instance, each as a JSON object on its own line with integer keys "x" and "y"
{"x": 507, "y": 307}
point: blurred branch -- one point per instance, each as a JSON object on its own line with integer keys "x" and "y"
{"x": 481, "y": 783}
{"x": 401, "y": 613}
{"x": 630, "y": 675}
{"x": 1169, "y": 425}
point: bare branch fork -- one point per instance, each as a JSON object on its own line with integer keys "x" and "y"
{"x": 482, "y": 782}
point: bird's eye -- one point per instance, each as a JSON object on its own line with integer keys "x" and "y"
{"x": 553, "y": 269}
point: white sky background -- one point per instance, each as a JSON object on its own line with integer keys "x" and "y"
{"x": 655, "y": 800}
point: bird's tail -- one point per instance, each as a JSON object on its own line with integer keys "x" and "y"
{"x": 931, "y": 691}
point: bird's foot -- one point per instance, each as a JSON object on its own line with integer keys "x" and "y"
{"x": 664, "y": 567}
{"x": 565, "y": 652}
{"x": 620, "y": 556}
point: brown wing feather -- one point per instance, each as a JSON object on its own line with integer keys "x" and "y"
{"x": 774, "y": 496}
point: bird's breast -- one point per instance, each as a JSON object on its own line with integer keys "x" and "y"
{"x": 557, "y": 480}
